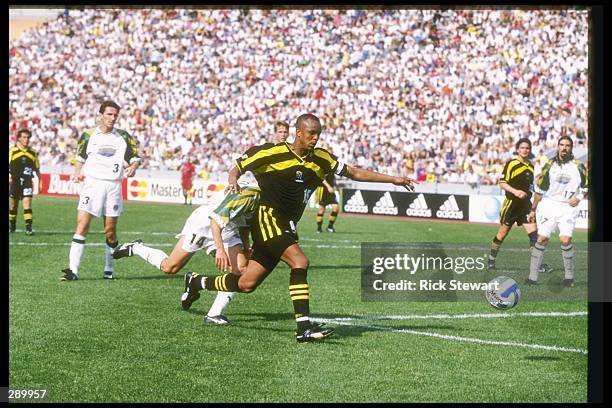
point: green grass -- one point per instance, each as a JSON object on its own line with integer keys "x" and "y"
{"x": 129, "y": 341}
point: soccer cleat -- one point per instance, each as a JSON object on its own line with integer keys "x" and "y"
{"x": 331, "y": 229}
{"x": 568, "y": 283}
{"x": 530, "y": 282}
{"x": 319, "y": 230}
{"x": 12, "y": 230}
{"x": 28, "y": 230}
{"x": 218, "y": 320}
{"x": 69, "y": 275}
{"x": 126, "y": 249}
{"x": 191, "y": 294}
{"x": 491, "y": 265}
{"x": 545, "y": 268}
{"x": 313, "y": 334}
{"x": 108, "y": 275}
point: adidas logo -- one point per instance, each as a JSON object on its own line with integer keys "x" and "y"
{"x": 419, "y": 207}
{"x": 356, "y": 204}
{"x": 450, "y": 209}
{"x": 385, "y": 205}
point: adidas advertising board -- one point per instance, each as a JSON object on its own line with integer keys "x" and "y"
{"x": 406, "y": 204}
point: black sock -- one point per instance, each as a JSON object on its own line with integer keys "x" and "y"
{"x": 225, "y": 283}
{"x": 298, "y": 290}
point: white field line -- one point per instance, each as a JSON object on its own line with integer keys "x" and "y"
{"x": 455, "y": 338}
{"x": 464, "y": 316}
{"x": 332, "y": 245}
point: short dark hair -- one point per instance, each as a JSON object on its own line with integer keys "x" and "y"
{"x": 565, "y": 138}
{"x": 281, "y": 123}
{"x": 521, "y": 141}
{"x": 109, "y": 104}
{"x": 305, "y": 117}
{"x": 24, "y": 130}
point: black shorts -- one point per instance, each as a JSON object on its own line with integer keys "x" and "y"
{"x": 324, "y": 197}
{"x": 272, "y": 233}
{"x": 514, "y": 211}
{"x": 21, "y": 188}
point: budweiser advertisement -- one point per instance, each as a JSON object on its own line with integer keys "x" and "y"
{"x": 62, "y": 185}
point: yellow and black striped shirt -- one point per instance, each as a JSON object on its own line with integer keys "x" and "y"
{"x": 286, "y": 179}
{"x": 23, "y": 162}
{"x": 519, "y": 175}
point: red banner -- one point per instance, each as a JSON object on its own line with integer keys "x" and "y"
{"x": 62, "y": 185}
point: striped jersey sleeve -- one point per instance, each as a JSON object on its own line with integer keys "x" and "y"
{"x": 236, "y": 205}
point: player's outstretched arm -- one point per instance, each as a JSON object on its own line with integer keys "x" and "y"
{"x": 357, "y": 174}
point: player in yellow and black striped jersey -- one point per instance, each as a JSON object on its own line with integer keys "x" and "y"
{"x": 326, "y": 196}
{"x": 23, "y": 163}
{"x": 517, "y": 181}
{"x": 287, "y": 175}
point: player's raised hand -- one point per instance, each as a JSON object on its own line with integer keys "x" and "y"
{"x": 406, "y": 182}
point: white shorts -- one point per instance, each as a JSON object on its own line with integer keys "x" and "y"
{"x": 551, "y": 214}
{"x": 101, "y": 197}
{"x": 198, "y": 235}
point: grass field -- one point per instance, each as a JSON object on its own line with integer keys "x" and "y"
{"x": 128, "y": 340}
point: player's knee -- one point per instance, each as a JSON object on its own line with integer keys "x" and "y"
{"x": 565, "y": 240}
{"x": 302, "y": 263}
{"x": 542, "y": 240}
{"x": 246, "y": 286}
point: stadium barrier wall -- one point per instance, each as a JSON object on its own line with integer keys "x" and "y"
{"x": 473, "y": 207}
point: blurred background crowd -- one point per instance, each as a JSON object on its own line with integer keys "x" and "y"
{"x": 438, "y": 95}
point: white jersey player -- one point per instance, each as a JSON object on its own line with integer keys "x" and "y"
{"x": 219, "y": 227}
{"x": 558, "y": 190}
{"x": 102, "y": 153}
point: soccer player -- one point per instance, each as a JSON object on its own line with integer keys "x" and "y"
{"x": 558, "y": 190}
{"x": 281, "y": 131}
{"x": 187, "y": 173}
{"x": 517, "y": 181}
{"x": 102, "y": 153}
{"x": 325, "y": 196}
{"x": 23, "y": 163}
{"x": 287, "y": 175}
{"x": 218, "y": 228}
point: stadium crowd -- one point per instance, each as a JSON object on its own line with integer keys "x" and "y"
{"x": 432, "y": 94}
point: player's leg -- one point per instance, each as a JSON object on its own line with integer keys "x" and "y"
{"x": 239, "y": 263}
{"x": 13, "y": 208}
{"x": 78, "y": 245}
{"x": 27, "y": 214}
{"x": 320, "y": 214}
{"x": 110, "y": 231}
{"x": 567, "y": 223}
{"x": 532, "y": 232}
{"x": 332, "y": 218}
{"x": 546, "y": 224}
{"x": 496, "y": 244}
{"x": 113, "y": 207}
{"x": 567, "y": 251}
{"x": 190, "y": 196}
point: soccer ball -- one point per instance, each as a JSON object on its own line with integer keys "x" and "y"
{"x": 507, "y": 294}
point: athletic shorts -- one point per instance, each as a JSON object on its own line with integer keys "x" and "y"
{"x": 198, "y": 235}
{"x": 101, "y": 197}
{"x": 21, "y": 188}
{"x": 514, "y": 211}
{"x": 272, "y": 233}
{"x": 551, "y": 214}
{"x": 324, "y": 197}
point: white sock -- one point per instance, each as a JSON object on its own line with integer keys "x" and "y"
{"x": 537, "y": 254}
{"x": 151, "y": 255}
{"x": 221, "y": 301}
{"x": 568, "y": 260}
{"x": 109, "y": 261}
{"x": 76, "y": 252}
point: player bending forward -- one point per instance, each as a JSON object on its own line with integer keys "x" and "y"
{"x": 218, "y": 228}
